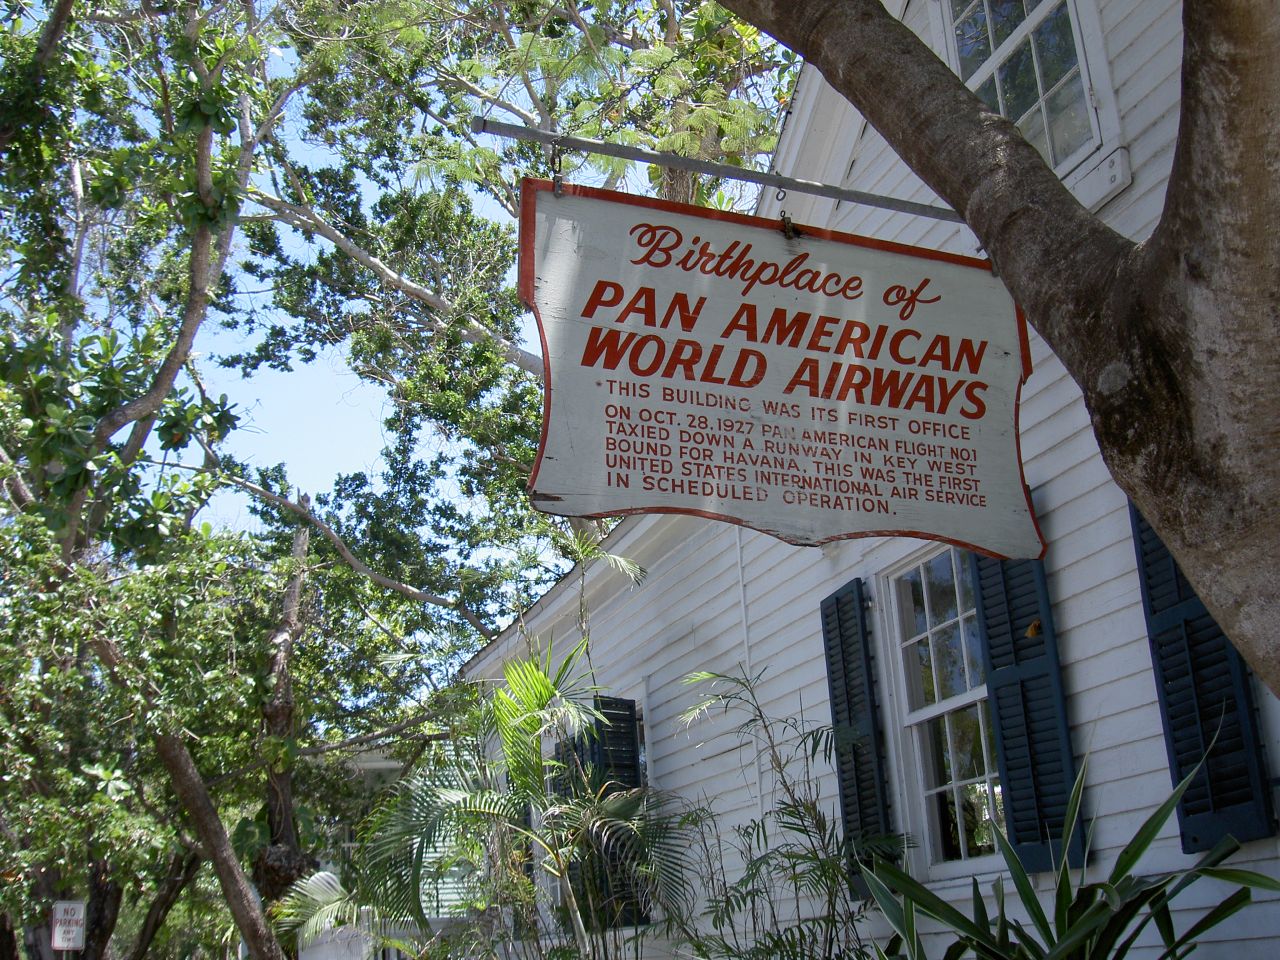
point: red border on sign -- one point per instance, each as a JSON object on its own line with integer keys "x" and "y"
{"x": 531, "y": 187}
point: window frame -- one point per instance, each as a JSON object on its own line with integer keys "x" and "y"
{"x": 906, "y": 759}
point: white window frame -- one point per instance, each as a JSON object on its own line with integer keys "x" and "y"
{"x": 1096, "y": 172}
{"x": 907, "y": 759}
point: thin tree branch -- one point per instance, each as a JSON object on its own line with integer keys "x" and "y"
{"x": 525, "y": 117}
{"x": 305, "y": 218}
{"x": 183, "y": 868}
{"x": 355, "y": 563}
{"x": 546, "y": 121}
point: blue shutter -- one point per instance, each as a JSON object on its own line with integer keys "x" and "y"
{"x": 1204, "y": 689}
{"x": 855, "y": 716}
{"x": 1027, "y": 708}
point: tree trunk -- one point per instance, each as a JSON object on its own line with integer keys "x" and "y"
{"x": 101, "y": 911}
{"x": 282, "y": 861}
{"x": 1172, "y": 341}
{"x": 8, "y": 939}
{"x": 183, "y": 868}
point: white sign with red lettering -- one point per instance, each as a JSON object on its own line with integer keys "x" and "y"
{"x": 815, "y": 387}
{"x": 68, "y": 925}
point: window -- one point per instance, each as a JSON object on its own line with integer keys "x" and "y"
{"x": 946, "y": 717}
{"x": 1023, "y": 58}
{"x": 985, "y": 719}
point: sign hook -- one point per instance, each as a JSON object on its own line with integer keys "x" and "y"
{"x": 557, "y": 169}
{"x": 788, "y": 227}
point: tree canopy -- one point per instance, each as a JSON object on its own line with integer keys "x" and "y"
{"x": 179, "y": 700}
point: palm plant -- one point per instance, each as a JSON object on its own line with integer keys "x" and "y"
{"x": 519, "y": 833}
{"x": 1101, "y": 920}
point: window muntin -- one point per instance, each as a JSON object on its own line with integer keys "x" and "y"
{"x": 947, "y": 719}
{"x": 1022, "y": 58}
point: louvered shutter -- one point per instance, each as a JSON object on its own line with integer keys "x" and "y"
{"x": 855, "y": 716}
{"x": 1203, "y": 688}
{"x": 1027, "y": 708}
{"x": 614, "y": 751}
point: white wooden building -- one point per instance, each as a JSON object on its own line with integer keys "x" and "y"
{"x": 1133, "y": 687}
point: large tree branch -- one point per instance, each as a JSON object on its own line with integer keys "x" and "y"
{"x": 240, "y": 897}
{"x": 193, "y": 793}
{"x": 307, "y": 219}
{"x": 282, "y": 862}
{"x": 973, "y": 158}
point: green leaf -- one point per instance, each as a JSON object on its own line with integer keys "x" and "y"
{"x": 1026, "y": 892}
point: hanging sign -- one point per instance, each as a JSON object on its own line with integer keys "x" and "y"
{"x": 814, "y": 386}
{"x": 68, "y": 925}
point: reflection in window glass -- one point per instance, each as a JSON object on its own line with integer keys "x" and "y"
{"x": 1068, "y": 118}
{"x": 972, "y": 41}
{"x": 1055, "y": 47}
{"x": 948, "y": 661}
{"x": 1018, "y": 81}
{"x": 940, "y": 589}
{"x": 920, "y": 675}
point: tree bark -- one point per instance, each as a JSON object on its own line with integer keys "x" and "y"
{"x": 102, "y": 910}
{"x": 282, "y": 862}
{"x": 1172, "y": 341}
{"x": 183, "y": 868}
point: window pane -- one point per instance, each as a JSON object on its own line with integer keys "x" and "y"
{"x": 987, "y": 94}
{"x": 1068, "y": 118}
{"x": 973, "y": 651}
{"x": 1032, "y": 127}
{"x": 912, "y": 600}
{"x": 948, "y": 661}
{"x": 990, "y": 739}
{"x": 966, "y": 744}
{"x": 940, "y": 588}
{"x": 1005, "y": 17}
{"x": 1055, "y": 47}
{"x": 972, "y": 41}
{"x": 979, "y": 834}
{"x": 919, "y": 667}
{"x": 1018, "y": 81}
{"x": 937, "y": 760}
{"x": 948, "y": 830}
